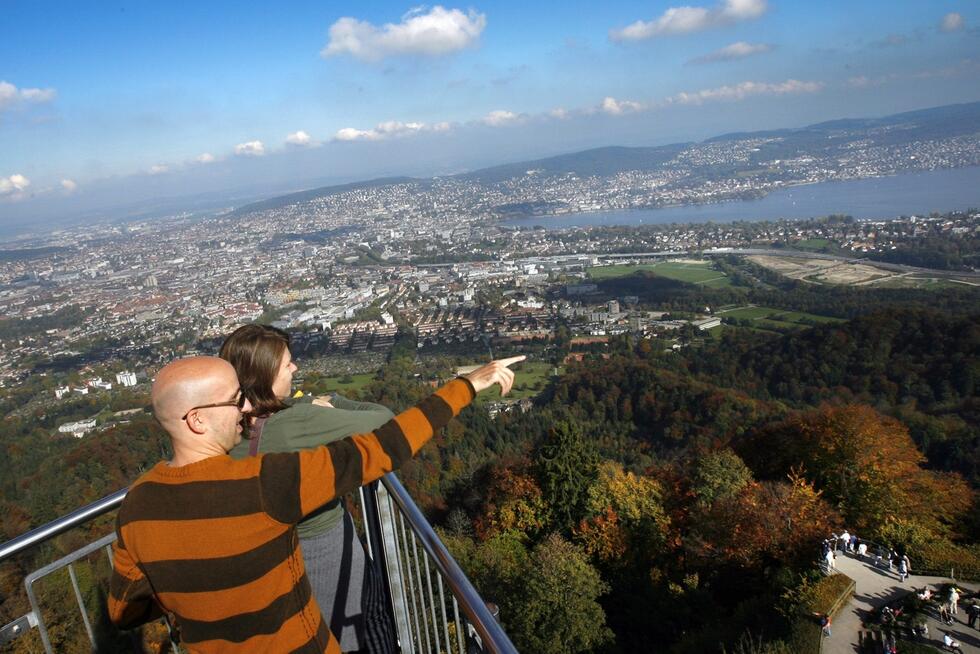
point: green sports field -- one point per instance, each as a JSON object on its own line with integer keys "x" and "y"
{"x": 692, "y": 273}
{"x": 763, "y": 317}
{"x": 335, "y": 385}
{"x": 530, "y": 378}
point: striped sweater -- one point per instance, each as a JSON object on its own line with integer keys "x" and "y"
{"x": 213, "y": 544}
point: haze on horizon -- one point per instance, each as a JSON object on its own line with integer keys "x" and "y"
{"x": 128, "y": 107}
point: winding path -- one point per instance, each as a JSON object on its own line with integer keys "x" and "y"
{"x": 875, "y": 587}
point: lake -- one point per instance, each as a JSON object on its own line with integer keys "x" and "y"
{"x": 879, "y": 197}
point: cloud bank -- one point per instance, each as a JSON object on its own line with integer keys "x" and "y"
{"x": 250, "y": 149}
{"x": 744, "y": 90}
{"x": 500, "y": 118}
{"x": 387, "y": 129}
{"x": 13, "y": 187}
{"x": 737, "y": 50}
{"x": 952, "y": 22}
{"x": 615, "y": 107}
{"x": 437, "y": 32}
{"x": 11, "y": 96}
{"x": 686, "y": 20}
{"x": 300, "y": 139}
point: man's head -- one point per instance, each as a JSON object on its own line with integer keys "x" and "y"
{"x": 197, "y": 400}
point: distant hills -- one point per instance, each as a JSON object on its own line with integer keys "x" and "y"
{"x": 321, "y": 192}
{"x": 819, "y": 140}
{"x": 601, "y": 162}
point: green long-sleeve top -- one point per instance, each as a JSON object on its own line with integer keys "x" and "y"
{"x": 305, "y": 425}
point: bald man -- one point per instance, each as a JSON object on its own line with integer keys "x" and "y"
{"x": 211, "y": 542}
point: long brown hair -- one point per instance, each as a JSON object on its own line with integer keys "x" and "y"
{"x": 256, "y": 352}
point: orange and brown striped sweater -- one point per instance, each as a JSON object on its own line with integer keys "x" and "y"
{"x": 213, "y": 543}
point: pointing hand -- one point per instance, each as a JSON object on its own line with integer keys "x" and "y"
{"x": 495, "y": 372}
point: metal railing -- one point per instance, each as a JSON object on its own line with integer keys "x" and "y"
{"x": 435, "y": 607}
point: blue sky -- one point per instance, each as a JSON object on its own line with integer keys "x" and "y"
{"x": 103, "y": 105}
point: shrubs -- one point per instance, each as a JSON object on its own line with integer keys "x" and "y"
{"x": 940, "y": 556}
{"x": 826, "y": 595}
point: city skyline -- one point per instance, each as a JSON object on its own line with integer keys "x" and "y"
{"x": 142, "y": 103}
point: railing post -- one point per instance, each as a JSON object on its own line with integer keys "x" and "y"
{"x": 372, "y": 526}
{"x": 380, "y": 529}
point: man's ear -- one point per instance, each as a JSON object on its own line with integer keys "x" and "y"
{"x": 195, "y": 423}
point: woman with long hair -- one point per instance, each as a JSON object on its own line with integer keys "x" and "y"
{"x": 345, "y": 582}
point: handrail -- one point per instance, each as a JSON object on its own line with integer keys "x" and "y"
{"x": 62, "y": 524}
{"x": 480, "y": 618}
{"x": 489, "y": 630}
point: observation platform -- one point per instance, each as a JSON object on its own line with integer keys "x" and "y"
{"x": 875, "y": 587}
{"x": 436, "y": 608}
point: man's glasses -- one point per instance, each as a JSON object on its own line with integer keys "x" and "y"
{"x": 239, "y": 402}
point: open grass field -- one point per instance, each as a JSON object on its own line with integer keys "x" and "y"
{"x": 764, "y": 317}
{"x": 349, "y": 389}
{"x": 688, "y": 271}
{"x": 814, "y": 244}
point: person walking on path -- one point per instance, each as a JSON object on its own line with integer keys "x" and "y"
{"x": 830, "y": 560}
{"x": 973, "y": 611}
{"x": 904, "y": 568}
{"x": 954, "y": 597}
{"x": 944, "y": 615}
{"x": 825, "y": 622}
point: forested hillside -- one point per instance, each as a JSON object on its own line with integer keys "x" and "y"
{"x": 693, "y": 485}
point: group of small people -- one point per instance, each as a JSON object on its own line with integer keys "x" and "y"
{"x": 244, "y": 544}
{"x": 948, "y": 607}
{"x": 848, "y": 542}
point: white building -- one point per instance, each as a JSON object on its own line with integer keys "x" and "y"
{"x": 126, "y": 378}
{"x": 78, "y": 429}
{"x": 708, "y": 323}
{"x": 99, "y": 383}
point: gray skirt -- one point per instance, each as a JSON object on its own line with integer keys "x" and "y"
{"x": 348, "y": 589}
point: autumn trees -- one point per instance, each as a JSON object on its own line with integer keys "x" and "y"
{"x": 866, "y": 465}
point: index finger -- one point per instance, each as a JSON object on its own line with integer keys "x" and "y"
{"x": 511, "y": 361}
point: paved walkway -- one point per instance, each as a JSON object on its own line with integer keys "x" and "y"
{"x": 875, "y": 587}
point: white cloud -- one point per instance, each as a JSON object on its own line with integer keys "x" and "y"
{"x": 13, "y": 187}
{"x": 860, "y": 82}
{"x": 436, "y": 32}
{"x": 559, "y": 112}
{"x": 388, "y": 129}
{"x": 159, "y": 169}
{"x": 615, "y": 107}
{"x": 10, "y": 95}
{"x": 204, "y": 158}
{"x": 250, "y": 149}
{"x": 300, "y": 138}
{"x": 685, "y": 20}
{"x": 69, "y": 185}
{"x": 500, "y": 117}
{"x": 352, "y": 134}
{"x": 737, "y": 50}
{"x": 952, "y": 22}
{"x": 743, "y": 90}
